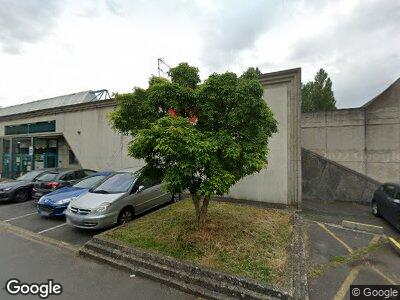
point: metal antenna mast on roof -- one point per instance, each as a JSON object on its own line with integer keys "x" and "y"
{"x": 161, "y": 65}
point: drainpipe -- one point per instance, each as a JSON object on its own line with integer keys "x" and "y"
{"x": 365, "y": 143}
{"x": 10, "y": 163}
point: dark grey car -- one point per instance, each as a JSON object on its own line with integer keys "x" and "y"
{"x": 20, "y": 189}
{"x": 386, "y": 203}
{"x": 57, "y": 179}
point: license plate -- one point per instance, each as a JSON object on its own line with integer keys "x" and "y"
{"x": 44, "y": 213}
{"x": 38, "y": 194}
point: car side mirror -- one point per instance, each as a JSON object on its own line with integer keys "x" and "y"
{"x": 140, "y": 188}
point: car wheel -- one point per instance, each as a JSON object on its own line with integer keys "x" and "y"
{"x": 126, "y": 215}
{"x": 21, "y": 195}
{"x": 176, "y": 198}
{"x": 375, "y": 209}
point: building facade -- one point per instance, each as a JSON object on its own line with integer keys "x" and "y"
{"x": 74, "y": 131}
{"x": 364, "y": 139}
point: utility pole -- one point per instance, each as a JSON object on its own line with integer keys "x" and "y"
{"x": 161, "y": 66}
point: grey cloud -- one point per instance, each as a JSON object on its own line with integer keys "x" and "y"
{"x": 369, "y": 22}
{"x": 25, "y": 22}
{"x": 228, "y": 28}
{"x": 235, "y": 28}
{"x": 363, "y": 47}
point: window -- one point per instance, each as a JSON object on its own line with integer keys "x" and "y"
{"x": 72, "y": 158}
{"x": 390, "y": 191}
{"x": 118, "y": 183}
{"x": 148, "y": 181}
{"x": 49, "y": 126}
{"x": 30, "y": 176}
{"x": 69, "y": 176}
{"x": 47, "y": 177}
{"x": 89, "y": 182}
{"x": 88, "y": 172}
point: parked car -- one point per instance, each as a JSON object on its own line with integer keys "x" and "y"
{"x": 57, "y": 179}
{"x": 20, "y": 189}
{"x": 386, "y": 203}
{"x": 55, "y": 203}
{"x": 117, "y": 200}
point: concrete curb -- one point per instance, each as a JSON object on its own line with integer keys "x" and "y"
{"x": 362, "y": 227}
{"x": 298, "y": 258}
{"x": 37, "y": 237}
{"x": 395, "y": 244}
{"x": 184, "y": 276}
{"x": 201, "y": 281}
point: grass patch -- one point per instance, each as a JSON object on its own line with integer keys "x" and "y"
{"x": 237, "y": 239}
{"x": 356, "y": 255}
{"x": 360, "y": 254}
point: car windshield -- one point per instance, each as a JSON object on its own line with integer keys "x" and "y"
{"x": 89, "y": 182}
{"x": 29, "y": 176}
{"x": 118, "y": 183}
{"x": 47, "y": 177}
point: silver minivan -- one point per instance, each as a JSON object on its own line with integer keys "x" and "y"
{"x": 117, "y": 200}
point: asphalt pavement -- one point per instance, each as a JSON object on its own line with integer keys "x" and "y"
{"x": 329, "y": 242}
{"x": 36, "y": 262}
{"x": 24, "y": 215}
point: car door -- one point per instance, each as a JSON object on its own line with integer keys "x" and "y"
{"x": 393, "y": 209}
{"x": 389, "y": 191}
{"x": 379, "y": 197}
{"x": 151, "y": 193}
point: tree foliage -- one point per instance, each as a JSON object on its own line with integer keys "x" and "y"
{"x": 317, "y": 95}
{"x": 228, "y": 141}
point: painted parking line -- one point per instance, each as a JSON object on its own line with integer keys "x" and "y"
{"x": 341, "y": 293}
{"x": 348, "y": 248}
{"x": 392, "y": 282}
{"x": 51, "y": 228}
{"x": 20, "y": 217}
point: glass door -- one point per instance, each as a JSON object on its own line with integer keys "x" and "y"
{"x": 6, "y": 159}
{"x": 21, "y": 156}
{"x": 45, "y": 153}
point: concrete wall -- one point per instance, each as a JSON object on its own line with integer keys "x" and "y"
{"x": 93, "y": 141}
{"x": 280, "y": 182}
{"x": 365, "y": 139}
{"x": 327, "y": 180}
{"x": 63, "y": 155}
{"x": 337, "y": 135}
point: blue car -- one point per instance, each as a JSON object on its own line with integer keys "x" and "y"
{"x": 55, "y": 203}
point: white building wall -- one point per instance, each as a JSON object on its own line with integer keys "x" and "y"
{"x": 270, "y": 184}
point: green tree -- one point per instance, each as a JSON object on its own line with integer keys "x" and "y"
{"x": 317, "y": 95}
{"x": 202, "y": 137}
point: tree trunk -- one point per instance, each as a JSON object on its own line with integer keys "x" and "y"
{"x": 196, "y": 202}
{"x": 203, "y": 212}
{"x": 201, "y": 207}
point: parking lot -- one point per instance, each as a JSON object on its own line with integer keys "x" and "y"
{"x": 340, "y": 257}
{"x": 24, "y": 215}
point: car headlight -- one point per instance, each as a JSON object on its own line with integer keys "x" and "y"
{"x": 41, "y": 199}
{"x": 6, "y": 189}
{"x": 66, "y": 200}
{"x": 102, "y": 208}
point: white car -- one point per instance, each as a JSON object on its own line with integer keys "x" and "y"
{"x": 117, "y": 200}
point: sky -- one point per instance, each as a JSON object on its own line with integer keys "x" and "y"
{"x": 50, "y": 48}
